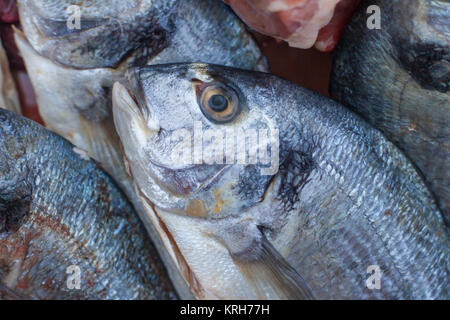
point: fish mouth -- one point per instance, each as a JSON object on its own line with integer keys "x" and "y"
{"x": 125, "y": 102}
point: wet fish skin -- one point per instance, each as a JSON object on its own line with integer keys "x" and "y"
{"x": 137, "y": 31}
{"x": 73, "y": 84}
{"x": 398, "y": 79}
{"x": 107, "y": 31}
{"x": 344, "y": 198}
{"x": 75, "y": 101}
{"x": 57, "y": 210}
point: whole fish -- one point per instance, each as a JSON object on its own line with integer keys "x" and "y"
{"x": 336, "y": 207}
{"x": 73, "y": 63}
{"x": 63, "y": 219}
{"x": 398, "y": 78}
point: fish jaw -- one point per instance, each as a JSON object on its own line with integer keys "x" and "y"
{"x": 130, "y": 124}
{"x": 203, "y": 252}
{"x": 125, "y": 106}
{"x": 128, "y": 117}
{"x": 192, "y": 251}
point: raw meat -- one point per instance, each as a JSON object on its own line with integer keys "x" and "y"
{"x": 302, "y": 23}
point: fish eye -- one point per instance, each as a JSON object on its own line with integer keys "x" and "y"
{"x": 219, "y": 103}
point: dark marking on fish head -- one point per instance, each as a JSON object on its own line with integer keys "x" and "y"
{"x": 422, "y": 42}
{"x": 428, "y": 64}
{"x": 294, "y": 172}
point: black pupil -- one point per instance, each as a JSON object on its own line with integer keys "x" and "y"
{"x": 218, "y": 103}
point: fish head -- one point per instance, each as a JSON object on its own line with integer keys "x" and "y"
{"x": 93, "y": 34}
{"x": 211, "y": 206}
{"x": 203, "y": 147}
{"x": 116, "y": 34}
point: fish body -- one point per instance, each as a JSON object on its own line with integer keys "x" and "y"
{"x": 62, "y": 217}
{"x": 336, "y": 202}
{"x": 73, "y": 70}
{"x": 398, "y": 79}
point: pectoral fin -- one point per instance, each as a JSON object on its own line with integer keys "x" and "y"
{"x": 272, "y": 276}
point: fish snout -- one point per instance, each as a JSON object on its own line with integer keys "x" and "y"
{"x": 125, "y": 106}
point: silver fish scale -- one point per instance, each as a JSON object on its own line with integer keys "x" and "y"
{"x": 87, "y": 240}
{"x": 385, "y": 216}
{"x": 72, "y": 219}
{"x": 397, "y": 78}
{"x": 201, "y": 30}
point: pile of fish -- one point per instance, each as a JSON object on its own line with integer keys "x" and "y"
{"x": 178, "y": 166}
